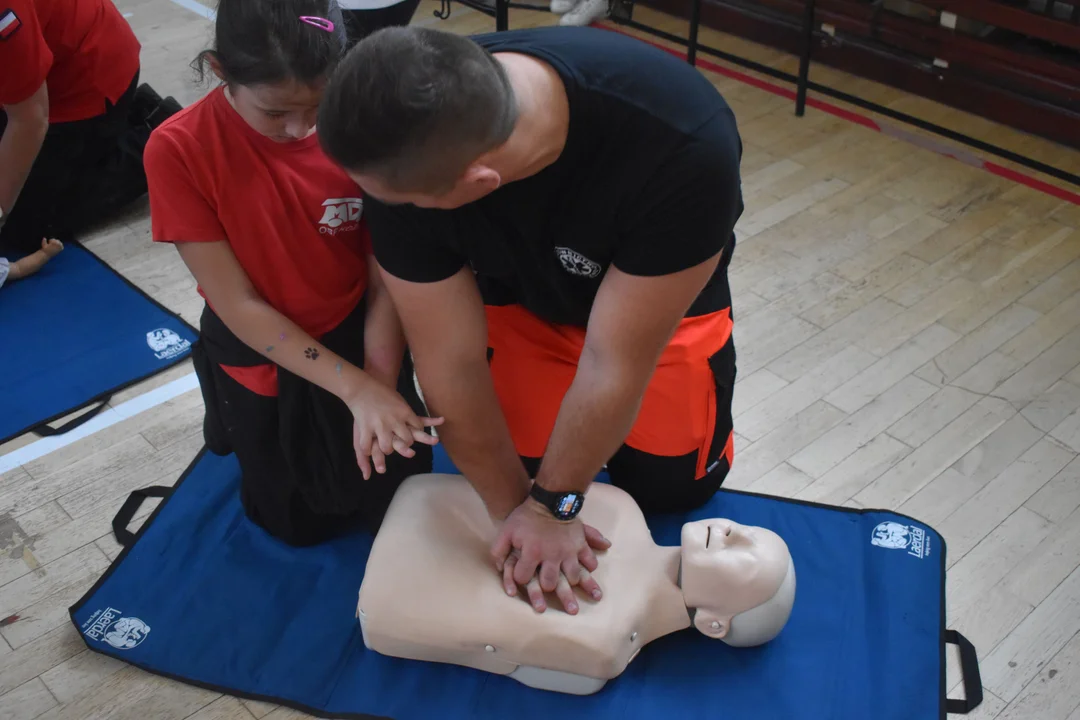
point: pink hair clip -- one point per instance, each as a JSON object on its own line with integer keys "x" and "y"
{"x": 321, "y": 23}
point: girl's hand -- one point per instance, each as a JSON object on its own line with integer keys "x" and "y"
{"x": 385, "y": 423}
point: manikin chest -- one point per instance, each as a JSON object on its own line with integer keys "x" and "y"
{"x": 430, "y": 592}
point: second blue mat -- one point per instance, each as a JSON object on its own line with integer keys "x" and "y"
{"x": 74, "y": 334}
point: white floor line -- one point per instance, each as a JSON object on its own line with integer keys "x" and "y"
{"x": 106, "y": 418}
{"x": 197, "y": 8}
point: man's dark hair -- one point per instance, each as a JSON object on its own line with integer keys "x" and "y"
{"x": 264, "y": 42}
{"x": 414, "y": 107}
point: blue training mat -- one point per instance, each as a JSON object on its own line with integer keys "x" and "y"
{"x": 202, "y": 595}
{"x": 74, "y": 334}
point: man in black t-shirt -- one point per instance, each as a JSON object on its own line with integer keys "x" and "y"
{"x": 553, "y": 213}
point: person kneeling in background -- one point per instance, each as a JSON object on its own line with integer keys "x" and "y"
{"x": 74, "y": 119}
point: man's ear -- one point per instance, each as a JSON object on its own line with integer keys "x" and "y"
{"x": 483, "y": 178}
{"x": 711, "y": 624}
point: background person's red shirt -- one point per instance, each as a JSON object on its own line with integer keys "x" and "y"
{"x": 291, "y": 216}
{"x": 84, "y": 49}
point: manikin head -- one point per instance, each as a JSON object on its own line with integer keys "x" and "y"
{"x": 416, "y": 116}
{"x": 737, "y": 581}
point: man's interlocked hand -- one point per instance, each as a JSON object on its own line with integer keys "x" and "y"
{"x": 531, "y": 540}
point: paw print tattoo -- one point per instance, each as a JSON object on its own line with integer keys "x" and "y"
{"x": 311, "y": 354}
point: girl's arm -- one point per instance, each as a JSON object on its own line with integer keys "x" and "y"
{"x": 384, "y": 339}
{"x": 259, "y": 326}
{"x": 383, "y": 419}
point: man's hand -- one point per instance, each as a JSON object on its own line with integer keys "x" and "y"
{"x": 530, "y": 539}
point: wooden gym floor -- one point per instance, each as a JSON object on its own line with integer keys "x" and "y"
{"x": 908, "y": 329}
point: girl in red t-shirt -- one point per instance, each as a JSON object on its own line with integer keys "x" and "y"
{"x": 274, "y": 234}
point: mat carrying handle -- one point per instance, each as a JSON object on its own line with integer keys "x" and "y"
{"x": 969, "y": 666}
{"x": 46, "y": 430}
{"x": 131, "y": 506}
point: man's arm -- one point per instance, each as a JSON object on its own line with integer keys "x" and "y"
{"x": 27, "y": 124}
{"x": 384, "y": 341}
{"x": 674, "y": 238}
{"x": 632, "y": 321}
{"x": 446, "y": 329}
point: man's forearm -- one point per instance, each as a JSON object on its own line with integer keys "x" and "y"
{"x": 384, "y": 340}
{"x": 597, "y": 413}
{"x": 475, "y": 433}
{"x": 19, "y": 148}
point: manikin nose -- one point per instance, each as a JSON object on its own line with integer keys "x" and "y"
{"x": 719, "y": 534}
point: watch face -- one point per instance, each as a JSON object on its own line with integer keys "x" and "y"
{"x": 568, "y": 506}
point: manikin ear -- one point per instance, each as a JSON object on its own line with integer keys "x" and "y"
{"x": 711, "y": 624}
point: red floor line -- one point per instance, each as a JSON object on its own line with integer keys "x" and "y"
{"x": 860, "y": 119}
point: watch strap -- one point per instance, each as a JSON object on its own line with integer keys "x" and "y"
{"x": 563, "y": 506}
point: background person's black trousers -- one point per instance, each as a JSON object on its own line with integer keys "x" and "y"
{"x": 85, "y": 172}
{"x": 361, "y": 23}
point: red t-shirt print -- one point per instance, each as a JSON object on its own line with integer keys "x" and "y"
{"x": 291, "y": 216}
{"x": 83, "y": 50}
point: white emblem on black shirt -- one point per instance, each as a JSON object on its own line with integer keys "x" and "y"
{"x": 577, "y": 264}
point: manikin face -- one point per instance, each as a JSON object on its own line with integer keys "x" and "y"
{"x": 727, "y": 569}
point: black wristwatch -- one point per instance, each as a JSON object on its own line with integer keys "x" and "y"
{"x": 562, "y": 505}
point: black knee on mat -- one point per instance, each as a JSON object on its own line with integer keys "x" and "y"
{"x": 657, "y": 484}
{"x": 664, "y": 484}
{"x": 285, "y": 513}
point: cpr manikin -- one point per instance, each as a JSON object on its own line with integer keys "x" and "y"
{"x": 430, "y": 591}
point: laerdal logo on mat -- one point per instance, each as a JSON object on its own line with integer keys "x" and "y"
{"x": 894, "y": 536}
{"x": 577, "y": 264}
{"x": 109, "y": 626}
{"x": 340, "y": 215}
{"x": 166, "y": 344}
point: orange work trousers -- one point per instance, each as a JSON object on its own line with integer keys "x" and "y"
{"x": 679, "y": 450}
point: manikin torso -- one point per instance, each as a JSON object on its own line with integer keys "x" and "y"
{"x": 431, "y": 593}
